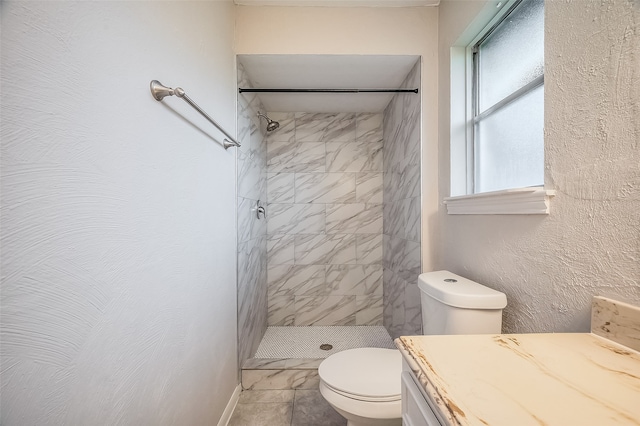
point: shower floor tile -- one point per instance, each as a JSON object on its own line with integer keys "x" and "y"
{"x": 304, "y": 342}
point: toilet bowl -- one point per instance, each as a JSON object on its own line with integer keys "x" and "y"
{"x": 363, "y": 385}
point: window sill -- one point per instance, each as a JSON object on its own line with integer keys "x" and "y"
{"x": 534, "y": 200}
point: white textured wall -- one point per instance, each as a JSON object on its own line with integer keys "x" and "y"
{"x": 118, "y": 215}
{"x": 551, "y": 266}
{"x": 361, "y": 31}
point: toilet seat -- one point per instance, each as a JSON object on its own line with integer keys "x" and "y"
{"x": 364, "y": 374}
{"x": 363, "y": 397}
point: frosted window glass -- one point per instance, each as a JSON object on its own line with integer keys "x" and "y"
{"x": 509, "y": 150}
{"x": 513, "y": 55}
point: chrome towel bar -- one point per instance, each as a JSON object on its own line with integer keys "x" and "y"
{"x": 159, "y": 92}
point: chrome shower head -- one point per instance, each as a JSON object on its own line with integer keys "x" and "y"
{"x": 271, "y": 125}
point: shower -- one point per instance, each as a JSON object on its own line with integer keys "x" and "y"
{"x": 271, "y": 125}
{"x": 315, "y": 271}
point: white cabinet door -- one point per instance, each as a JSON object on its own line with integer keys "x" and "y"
{"x": 415, "y": 409}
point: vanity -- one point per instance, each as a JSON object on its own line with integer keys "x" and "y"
{"x": 560, "y": 379}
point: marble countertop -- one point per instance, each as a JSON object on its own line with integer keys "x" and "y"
{"x": 528, "y": 379}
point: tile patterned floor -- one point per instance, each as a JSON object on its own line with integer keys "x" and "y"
{"x": 304, "y": 342}
{"x": 284, "y": 408}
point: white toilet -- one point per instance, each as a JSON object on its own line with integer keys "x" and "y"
{"x": 363, "y": 385}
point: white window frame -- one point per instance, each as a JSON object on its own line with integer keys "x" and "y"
{"x": 463, "y": 200}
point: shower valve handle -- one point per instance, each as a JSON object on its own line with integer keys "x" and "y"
{"x": 260, "y": 210}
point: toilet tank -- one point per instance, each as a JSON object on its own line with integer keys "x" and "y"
{"x": 452, "y": 304}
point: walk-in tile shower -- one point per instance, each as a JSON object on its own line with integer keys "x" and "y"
{"x": 340, "y": 244}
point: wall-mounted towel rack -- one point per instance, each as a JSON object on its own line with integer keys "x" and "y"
{"x": 160, "y": 91}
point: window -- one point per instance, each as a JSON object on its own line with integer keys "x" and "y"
{"x": 508, "y": 101}
{"x": 503, "y": 113}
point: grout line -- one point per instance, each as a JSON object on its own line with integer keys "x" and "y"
{"x": 293, "y": 406}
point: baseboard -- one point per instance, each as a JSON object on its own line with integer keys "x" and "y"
{"x": 231, "y": 405}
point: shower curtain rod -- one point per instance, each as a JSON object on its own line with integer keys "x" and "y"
{"x": 251, "y": 90}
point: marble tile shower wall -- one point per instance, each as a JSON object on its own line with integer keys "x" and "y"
{"x": 401, "y": 211}
{"x": 252, "y": 233}
{"x": 324, "y": 229}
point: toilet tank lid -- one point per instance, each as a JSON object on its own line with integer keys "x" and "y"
{"x": 460, "y": 292}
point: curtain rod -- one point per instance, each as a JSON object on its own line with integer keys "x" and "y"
{"x": 251, "y": 90}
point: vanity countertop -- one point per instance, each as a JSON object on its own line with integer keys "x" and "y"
{"x": 530, "y": 379}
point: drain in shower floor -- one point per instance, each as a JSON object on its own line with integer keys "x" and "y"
{"x": 326, "y": 347}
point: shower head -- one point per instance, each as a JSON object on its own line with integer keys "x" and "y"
{"x": 271, "y": 125}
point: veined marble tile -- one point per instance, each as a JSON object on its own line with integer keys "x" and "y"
{"x": 280, "y": 249}
{"x": 394, "y": 303}
{"x": 279, "y": 379}
{"x": 392, "y": 155}
{"x": 368, "y": 249}
{"x": 296, "y": 218}
{"x": 410, "y": 261}
{"x": 409, "y": 182}
{"x": 616, "y": 321}
{"x": 369, "y": 187}
{"x": 355, "y": 280}
{"x": 295, "y": 157}
{"x": 251, "y": 174}
{"x": 402, "y": 257}
{"x": 258, "y": 140}
{"x": 251, "y": 264}
{"x": 412, "y": 210}
{"x": 287, "y": 130}
{"x": 369, "y": 310}
{"x": 252, "y": 255}
{"x": 303, "y": 363}
{"x": 325, "y": 187}
{"x": 247, "y": 221}
{"x": 281, "y": 310}
{"x": 325, "y": 249}
{"x": 280, "y": 188}
{"x": 354, "y": 157}
{"x": 261, "y": 414}
{"x": 389, "y": 180}
{"x": 394, "y": 219}
{"x": 389, "y": 290}
{"x": 327, "y": 310}
{"x": 302, "y": 280}
{"x": 412, "y": 309}
{"x": 260, "y": 228}
{"x": 397, "y": 319}
{"x": 369, "y": 127}
{"x": 244, "y": 123}
{"x": 316, "y": 127}
{"x": 342, "y": 128}
{"x": 266, "y": 396}
{"x": 243, "y": 78}
{"x": 252, "y": 297}
{"x": 391, "y": 250}
{"x": 412, "y": 146}
{"x": 396, "y": 293}
{"x": 264, "y": 364}
{"x": 354, "y": 219}
{"x": 311, "y": 127}
{"x": 310, "y": 408}
{"x": 282, "y": 363}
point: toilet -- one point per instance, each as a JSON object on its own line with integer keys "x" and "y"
{"x": 363, "y": 384}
